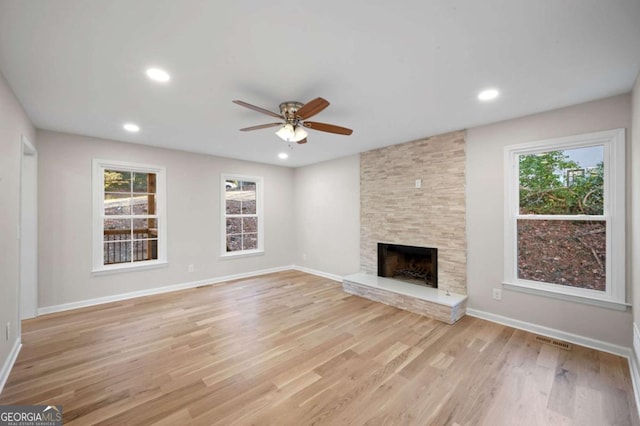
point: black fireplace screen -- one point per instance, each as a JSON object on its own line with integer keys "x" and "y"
{"x": 418, "y": 265}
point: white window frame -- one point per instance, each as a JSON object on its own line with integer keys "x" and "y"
{"x": 224, "y": 254}
{"x": 99, "y": 166}
{"x": 613, "y": 215}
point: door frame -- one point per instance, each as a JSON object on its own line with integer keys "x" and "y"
{"x": 28, "y": 233}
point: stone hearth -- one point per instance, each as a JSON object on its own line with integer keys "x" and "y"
{"x": 431, "y": 302}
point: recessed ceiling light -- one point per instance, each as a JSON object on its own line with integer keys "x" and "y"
{"x": 488, "y": 95}
{"x": 130, "y": 127}
{"x": 156, "y": 74}
{"x": 283, "y": 156}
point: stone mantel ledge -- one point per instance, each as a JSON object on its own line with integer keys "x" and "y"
{"x": 418, "y": 299}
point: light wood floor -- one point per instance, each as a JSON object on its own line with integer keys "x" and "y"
{"x": 291, "y": 348}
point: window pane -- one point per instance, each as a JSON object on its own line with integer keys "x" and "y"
{"x": 250, "y": 224}
{"x": 233, "y": 197}
{"x": 234, "y": 225}
{"x": 141, "y": 228}
{"x": 117, "y": 203}
{"x": 144, "y": 182}
{"x": 231, "y": 184}
{"x": 145, "y": 250}
{"x": 248, "y": 185}
{"x": 117, "y": 181}
{"x": 144, "y": 204}
{"x": 248, "y": 197}
{"x": 250, "y": 241}
{"x": 570, "y": 253}
{"x": 234, "y": 243}
{"x": 564, "y": 182}
{"x": 117, "y": 252}
{"x": 120, "y": 228}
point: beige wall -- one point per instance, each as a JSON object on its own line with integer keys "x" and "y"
{"x": 393, "y": 211}
{"x": 193, "y": 204}
{"x": 327, "y": 216}
{"x": 635, "y": 201}
{"x": 13, "y": 124}
{"x": 485, "y": 223}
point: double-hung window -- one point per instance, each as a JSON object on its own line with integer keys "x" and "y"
{"x": 565, "y": 218}
{"x": 242, "y": 218}
{"x": 129, "y": 215}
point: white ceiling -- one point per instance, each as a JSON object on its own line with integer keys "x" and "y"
{"x": 393, "y": 71}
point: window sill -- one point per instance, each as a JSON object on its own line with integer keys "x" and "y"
{"x": 116, "y": 269}
{"x": 603, "y": 303}
{"x": 240, "y": 254}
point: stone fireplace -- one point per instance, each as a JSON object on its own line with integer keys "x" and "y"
{"x": 416, "y": 265}
{"x": 414, "y": 193}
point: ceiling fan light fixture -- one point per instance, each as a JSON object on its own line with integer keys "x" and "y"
{"x": 295, "y": 114}
{"x": 287, "y": 133}
{"x": 299, "y": 134}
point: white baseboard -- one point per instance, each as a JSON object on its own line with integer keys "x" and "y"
{"x": 318, "y": 273}
{"x": 8, "y": 364}
{"x": 634, "y": 365}
{"x": 554, "y": 333}
{"x": 159, "y": 290}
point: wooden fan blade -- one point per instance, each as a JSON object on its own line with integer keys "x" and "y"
{"x": 324, "y": 127}
{"x": 311, "y": 108}
{"x": 303, "y": 141}
{"x": 261, "y": 126}
{"x": 257, "y": 108}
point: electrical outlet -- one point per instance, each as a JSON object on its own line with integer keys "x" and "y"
{"x": 497, "y": 294}
{"x": 191, "y": 268}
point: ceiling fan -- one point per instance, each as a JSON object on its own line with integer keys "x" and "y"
{"x": 295, "y": 115}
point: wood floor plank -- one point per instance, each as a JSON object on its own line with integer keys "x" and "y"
{"x": 294, "y": 349}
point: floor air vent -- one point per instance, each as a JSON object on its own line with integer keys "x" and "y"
{"x": 553, "y": 342}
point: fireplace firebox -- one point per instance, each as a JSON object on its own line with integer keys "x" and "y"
{"x": 417, "y": 265}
